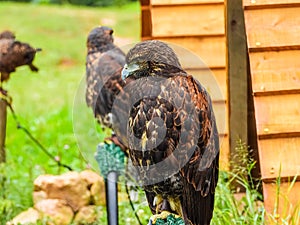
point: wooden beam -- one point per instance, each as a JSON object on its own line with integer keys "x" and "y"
{"x": 252, "y": 132}
{"x": 277, "y": 114}
{"x": 280, "y": 157}
{"x": 273, "y": 28}
{"x": 210, "y": 50}
{"x": 273, "y": 71}
{"x": 237, "y": 73}
{"x": 188, "y": 20}
{"x": 264, "y": 4}
{"x": 3, "y": 114}
{"x": 184, "y": 2}
{"x": 276, "y": 92}
{"x": 146, "y": 29}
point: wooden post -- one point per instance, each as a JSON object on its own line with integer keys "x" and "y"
{"x": 3, "y": 113}
{"x": 146, "y": 20}
{"x": 237, "y": 73}
{"x": 252, "y": 132}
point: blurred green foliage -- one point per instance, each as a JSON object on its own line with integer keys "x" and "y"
{"x": 51, "y": 103}
{"x": 79, "y": 2}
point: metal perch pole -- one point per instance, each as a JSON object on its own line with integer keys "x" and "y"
{"x": 111, "y": 192}
{"x": 111, "y": 161}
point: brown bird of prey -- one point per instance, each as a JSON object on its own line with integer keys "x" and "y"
{"x": 7, "y": 35}
{"x": 104, "y": 63}
{"x": 171, "y": 133}
{"x": 13, "y": 54}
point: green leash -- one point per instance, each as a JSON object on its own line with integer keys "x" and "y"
{"x": 110, "y": 157}
{"x": 170, "y": 220}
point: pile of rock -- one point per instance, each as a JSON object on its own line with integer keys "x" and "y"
{"x": 68, "y": 198}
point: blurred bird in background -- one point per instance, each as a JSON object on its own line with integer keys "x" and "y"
{"x": 13, "y": 54}
{"x": 104, "y": 63}
{"x": 7, "y": 35}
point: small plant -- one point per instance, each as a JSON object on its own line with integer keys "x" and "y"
{"x": 7, "y": 207}
{"x": 287, "y": 213}
{"x": 232, "y": 207}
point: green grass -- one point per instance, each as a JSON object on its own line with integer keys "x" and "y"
{"x": 51, "y": 105}
{"x": 49, "y": 102}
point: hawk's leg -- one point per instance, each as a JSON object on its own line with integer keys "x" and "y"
{"x": 4, "y": 96}
{"x": 3, "y": 77}
{"x": 33, "y": 67}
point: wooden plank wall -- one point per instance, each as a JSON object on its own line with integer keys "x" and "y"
{"x": 198, "y": 27}
{"x": 273, "y": 37}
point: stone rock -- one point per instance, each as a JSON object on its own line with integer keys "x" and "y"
{"x": 98, "y": 194}
{"x": 69, "y": 187}
{"x": 90, "y": 177}
{"x": 96, "y": 185}
{"x": 39, "y": 195}
{"x": 86, "y": 215}
{"x": 56, "y": 210}
{"x": 30, "y": 216}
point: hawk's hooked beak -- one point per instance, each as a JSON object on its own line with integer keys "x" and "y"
{"x": 125, "y": 72}
{"x": 129, "y": 70}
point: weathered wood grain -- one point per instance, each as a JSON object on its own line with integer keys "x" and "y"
{"x": 188, "y": 20}
{"x": 273, "y": 27}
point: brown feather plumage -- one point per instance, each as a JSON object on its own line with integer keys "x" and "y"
{"x": 13, "y": 54}
{"x": 172, "y": 135}
{"x": 104, "y": 63}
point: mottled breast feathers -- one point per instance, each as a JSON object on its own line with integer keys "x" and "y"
{"x": 104, "y": 63}
{"x": 171, "y": 132}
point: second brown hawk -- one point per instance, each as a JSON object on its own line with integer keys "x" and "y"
{"x": 13, "y": 54}
{"x": 104, "y": 63}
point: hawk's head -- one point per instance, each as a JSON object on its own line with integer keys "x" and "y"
{"x": 7, "y": 35}
{"x": 99, "y": 36}
{"x": 150, "y": 58}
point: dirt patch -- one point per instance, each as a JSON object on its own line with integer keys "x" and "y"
{"x": 66, "y": 62}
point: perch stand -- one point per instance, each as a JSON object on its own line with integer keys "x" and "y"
{"x": 111, "y": 159}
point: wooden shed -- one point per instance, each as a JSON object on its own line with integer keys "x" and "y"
{"x": 252, "y": 48}
{"x": 273, "y": 38}
{"x": 197, "y": 26}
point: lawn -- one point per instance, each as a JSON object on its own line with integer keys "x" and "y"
{"x": 51, "y": 105}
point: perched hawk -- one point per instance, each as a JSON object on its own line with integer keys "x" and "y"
{"x": 171, "y": 133}
{"x": 104, "y": 63}
{"x": 7, "y": 35}
{"x": 13, "y": 54}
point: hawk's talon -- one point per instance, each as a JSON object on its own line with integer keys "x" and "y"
{"x": 163, "y": 215}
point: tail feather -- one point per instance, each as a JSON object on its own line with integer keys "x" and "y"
{"x": 197, "y": 209}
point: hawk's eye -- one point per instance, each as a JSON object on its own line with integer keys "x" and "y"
{"x": 149, "y": 64}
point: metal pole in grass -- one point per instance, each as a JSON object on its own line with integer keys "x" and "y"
{"x": 111, "y": 192}
{"x": 3, "y": 117}
{"x": 111, "y": 161}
